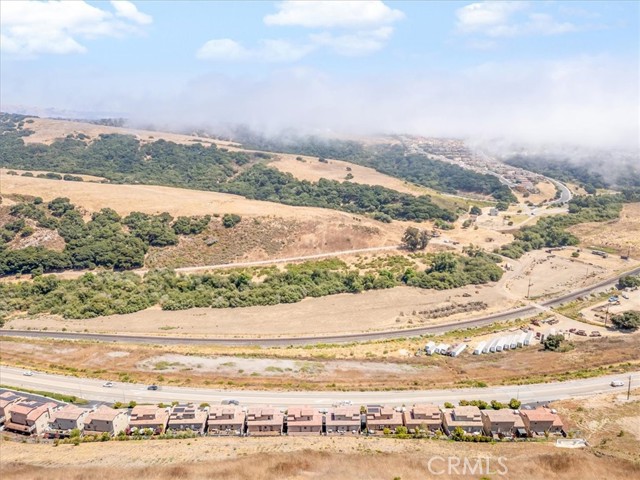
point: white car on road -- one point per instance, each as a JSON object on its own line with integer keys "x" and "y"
{"x": 617, "y": 383}
{"x": 108, "y": 384}
{"x": 28, "y": 373}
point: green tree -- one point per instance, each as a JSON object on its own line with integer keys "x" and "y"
{"x": 627, "y": 321}
{"x": 415, "y": 239}
{"x": 475, "y": 210}
{"x": 514, "y": 403}
{"x": 628, "y": 281}
{"x": 230, "y": 220}
{"x": 553, "y": 342}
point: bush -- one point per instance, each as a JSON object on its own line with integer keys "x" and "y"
{"x": 230, "y": 220}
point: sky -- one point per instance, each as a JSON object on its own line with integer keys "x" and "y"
{"x": 549, "y": 72}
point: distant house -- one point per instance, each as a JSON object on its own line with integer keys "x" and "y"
{"x": 145, "y": 417}
{"x": 188, "y": 417}
{"x": 106, "y": 420}
{"x": 468, "y": 418}
{"x": 6, "y": 400}
{"x": 503, "y": 422}
{"x": 343, "y": 420}
{"x": 304, "y": 421}
{"x": 226, "y": 420}
{"x": 66, "y": 419}
{"x": 379, "y": 418}
{"x": 423, "y": 417}
{"x": 264, "y": 421}
{"x": 540, "y": 421}
{"x": 493, "y": 212}
{"x": 30, "y": 417}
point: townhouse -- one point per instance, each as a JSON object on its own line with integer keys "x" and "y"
{"x": 30, "y": 417}
{"x": 106, "y": 420}
{"x": 145, "y": 417}
{"x": 304, "y": 421}
{"x": 6, "y": 400}
{"x": 468, "y": 418}
{"x": 381, "y": 417}
{"x": 426, "y": 418}
{"x": 262, "y": 421}
{"x": 68, "y": 418}
{"x": 226, "y": 420}
{"x": 343, "y": 420}
{"x": 188, "y": 417}
{"x": 502, "y": 423}
{"x": 541, "y": 420}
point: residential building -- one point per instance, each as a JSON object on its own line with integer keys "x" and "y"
{"x": 468, "y": 418}
{"x": 343, "y": 420}
{"x": 144, "y": 417}
{"x": 264, "y": 421}
{"x": 541, "y": 420}
{"x": 106, "y": 420}
{"x": 504, "y": 423}
{"x": 6, "y": 400}
{"x": 304, "y": 421}
{"x": 226, "y": 420}
{"x": 68, "y": 418}
{"x": 29, "y": 416}
{"x": 188, "y": 417}
{"x": 423, "y": 417}
{"x": 380, "y": 417}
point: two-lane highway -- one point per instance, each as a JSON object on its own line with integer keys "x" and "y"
{"x": 126, "y": 392}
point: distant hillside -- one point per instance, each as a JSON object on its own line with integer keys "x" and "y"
{"x": 126, "y": 159}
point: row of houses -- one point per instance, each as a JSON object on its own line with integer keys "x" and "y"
{"x": 41, "y": 417}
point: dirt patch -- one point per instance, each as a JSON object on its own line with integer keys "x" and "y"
{"x": 556, "y": 272}
{"x": 266, "y": 366}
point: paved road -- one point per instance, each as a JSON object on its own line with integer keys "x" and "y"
{"x": 565, "y": 193}
{"x": 522, "y": 312}
{"x": 125, "y": 392}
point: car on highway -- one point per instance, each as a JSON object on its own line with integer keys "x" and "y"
{"x": 617, "y": 383}
{"x": 152, "y": 387}
{"x": 28, "y": 373}
{"x": 108, "y": 385}
{"x": 230, "y": 402}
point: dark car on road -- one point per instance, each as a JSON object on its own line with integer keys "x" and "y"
{"x": 152, "y": 387}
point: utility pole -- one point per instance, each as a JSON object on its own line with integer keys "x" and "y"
{"x": 629, "y": 388}
{"x": 529, "y": 290}
{"x": 606, "y": 317}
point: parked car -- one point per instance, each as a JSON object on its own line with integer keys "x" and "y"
{"x": 108, "y": 384}
{"x": 617, "y": 383}
{"x": 581, "y": 333}
{"x": 536, "y": 323}
{"x": 152, "y": 387}
{"x": 28, "y": 373}
{"x": 595, "y": 333}
{"x": 230, "y": 402}
{"x": 573, "y": 330}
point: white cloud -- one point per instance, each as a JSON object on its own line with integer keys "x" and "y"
{"x": 225, "y": 49}
{"x": 222, "y": 49}
{"x": 128, "y": 10}
{"x": 30, "y": 28}
{"x": 354, "y": 44}
{"x": 480, "y": 16}
{"x": 328, "y": 14}
{"x": 509, "y": 19}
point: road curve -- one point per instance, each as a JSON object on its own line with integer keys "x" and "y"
{"x": 125, "y": 392}
{"x": 522, "y": 312}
